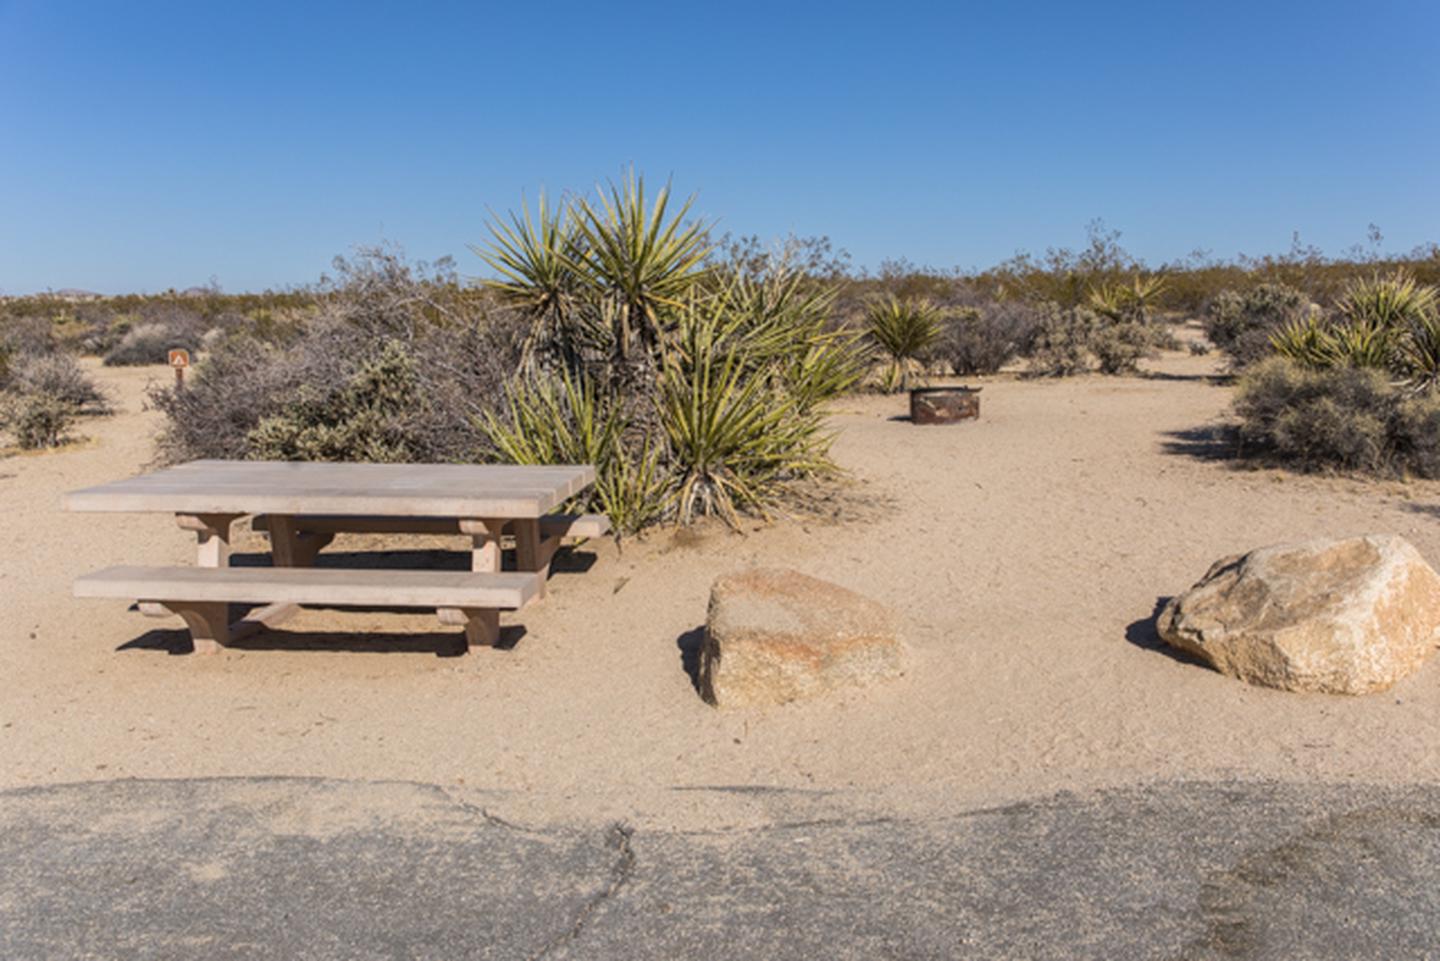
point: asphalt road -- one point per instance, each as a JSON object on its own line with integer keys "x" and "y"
{"x": 299, "y": 869}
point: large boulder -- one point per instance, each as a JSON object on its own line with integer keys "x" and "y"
{"x": 774, "y": 636}
{"x": 1340, "y": 616}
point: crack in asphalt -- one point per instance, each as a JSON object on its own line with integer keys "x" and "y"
{"x": 619, "y": 838}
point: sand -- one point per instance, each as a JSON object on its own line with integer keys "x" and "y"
{"x": 1025, "y": 552}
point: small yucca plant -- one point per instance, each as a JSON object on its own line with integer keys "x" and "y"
{"x": 733, "y": 436}
{"x": 1388, "y": 303}
{"x": 1308, "y": 342}
{"x": 567, "y": 419}
{"x": 904, "y": 330}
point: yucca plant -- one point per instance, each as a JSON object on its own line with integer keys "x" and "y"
{"x": 568, "y": 419}
{"x": 783, "y": 317}
{"x": 637, "y": 252}
{"x": 1417, "y": 358}
{"x": 1126, "y": 301}
{"x": 904, "y": 330}
{"x": 732, "y": 435}
{"x": 1308, "y": 342}
{"x": 1388, "y": 303}
{"x": 534, "y": 258}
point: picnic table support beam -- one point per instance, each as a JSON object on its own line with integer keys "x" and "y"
{"x": 209, "y": 623}
{"x": 533, "y": 552}
{"x": 212, "y": 532}
{"x": 482, "y": 627}
{"x": 292, "y": 547}
{"x": 485, "y": 540}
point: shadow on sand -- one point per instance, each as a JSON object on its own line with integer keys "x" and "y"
{"x": 689, "y": 644}
{"x": 1214, "y": 443}
{"x": 1145, "y": 635}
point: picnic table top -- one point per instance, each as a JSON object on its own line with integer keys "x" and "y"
{"x": 281, "y": 487}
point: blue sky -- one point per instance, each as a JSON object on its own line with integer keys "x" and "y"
{"x": 147, "y": 145}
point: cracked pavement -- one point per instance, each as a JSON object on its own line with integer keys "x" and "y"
{"x": 308, "y": 868}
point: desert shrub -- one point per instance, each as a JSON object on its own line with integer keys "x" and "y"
{"x": 37, "y": 420}
{"x": 42, "y": 394}
{"x": 904, "y": 331}
{"x": 1242, "y": 325}
{"x": 151, "y": 343}
{"x": 1345, "y": 418}
{"x": 58, "y": 376}
{"x": 981, "y": 340}
{"x": 1062, "y": 344}
{"x": 362, "y": 418}
{"x": 395, "y": 363}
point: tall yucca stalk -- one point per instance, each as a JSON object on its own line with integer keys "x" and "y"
{"x": 638, "y": 252}
{"x": 904, "y": 330}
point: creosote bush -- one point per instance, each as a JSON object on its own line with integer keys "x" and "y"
{"x": 43, "y": 393}
{"x": 1344, "y": 418}
{"x": 396, "y": 364}
{"x": 1242, "y": 325}
{"x": 983, "y": 339}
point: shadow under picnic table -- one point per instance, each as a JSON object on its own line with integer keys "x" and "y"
{"x": 441, "y": 643}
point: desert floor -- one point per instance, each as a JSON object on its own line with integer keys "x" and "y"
{"x": 1025, "y": 553}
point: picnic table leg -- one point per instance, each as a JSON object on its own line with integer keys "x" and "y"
{"x": 482, "y": 627}
{"x": 209, "y": 625}
{"x": 532, "y": 552}
{"x": 485, "y": 535}
{"x": 292, "y": 547}
{"x": 212, "y": 531}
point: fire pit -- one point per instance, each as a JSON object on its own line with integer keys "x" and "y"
{"x": 944, "y": 405}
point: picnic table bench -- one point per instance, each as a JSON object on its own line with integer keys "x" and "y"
{"x": 302, "y": 506}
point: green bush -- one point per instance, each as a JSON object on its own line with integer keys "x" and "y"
{"x": 360, "y": 419}
{"x": 1342, "y": 418}
{"x": 1062, "y": 344}
{"x": 1242, "y": 325}
{"x": 37, "y": 420}
{"x": 981, "y": 340}
{"x": 904, "y": 331}
{"x": 151, "y": 343}
{"x": 59, "y": 376}
{"x": 408, "y": 355}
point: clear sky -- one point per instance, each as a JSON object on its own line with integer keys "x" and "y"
{"x": 148, "y": 145}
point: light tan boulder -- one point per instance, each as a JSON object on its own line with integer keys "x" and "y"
{"x": 1340, "y": 616}
{"x": 774, "y": 636}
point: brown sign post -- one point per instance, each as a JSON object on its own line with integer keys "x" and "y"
{"x": 179, "y": 360}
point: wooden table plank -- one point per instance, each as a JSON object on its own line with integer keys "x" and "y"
{"x": 402, "y": 490}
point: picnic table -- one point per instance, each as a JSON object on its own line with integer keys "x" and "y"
{"x": 302, "y": 506}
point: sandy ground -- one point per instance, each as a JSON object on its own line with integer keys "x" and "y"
{"x": 1025, "y": 552}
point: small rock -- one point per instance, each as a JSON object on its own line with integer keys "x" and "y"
{"x": 1338, "y": 616}
{"x": 774, "y": 636}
